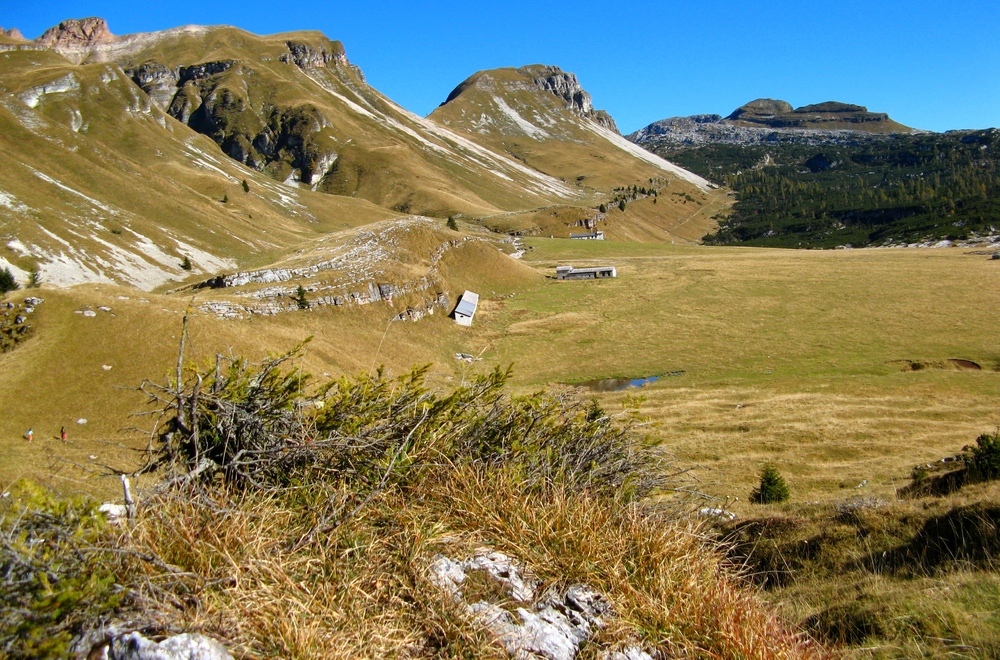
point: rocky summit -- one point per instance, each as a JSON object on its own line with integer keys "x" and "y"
{"x": 765, "y": 121}
{"x": 77, "y": 33}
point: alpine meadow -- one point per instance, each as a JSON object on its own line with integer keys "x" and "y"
{"x": 290, "y": 371}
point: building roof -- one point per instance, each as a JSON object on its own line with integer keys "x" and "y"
{"x": 468, "y": 304}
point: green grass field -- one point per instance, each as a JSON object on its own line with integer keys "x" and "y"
{"x": 797, "y": 357}
{"x": 801, "y": 358}
{"x": 835, "y": 366}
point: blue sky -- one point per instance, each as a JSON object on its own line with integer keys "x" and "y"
{"x": 930, "y": 64}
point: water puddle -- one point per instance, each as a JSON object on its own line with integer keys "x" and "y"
{"x": 619, "y": 384}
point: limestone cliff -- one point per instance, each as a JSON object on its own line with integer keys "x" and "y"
{"x": 76, "y": 33}
{"x": 566, "y": 86}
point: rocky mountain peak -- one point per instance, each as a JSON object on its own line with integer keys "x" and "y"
{"x": 832, "y": 106}
{"x": 77, "y": 33}
{"x": 12, "y": 33}
{"x": 566, "y": 86}
{"x": 761, "y": 108}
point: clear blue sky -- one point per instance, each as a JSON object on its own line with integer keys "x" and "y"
{"x": 930, "y": 64}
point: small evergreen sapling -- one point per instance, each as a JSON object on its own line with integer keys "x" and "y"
{"x": 452, "y": 224}
{"x": 186, "y": 263}
{"x": 7, "y": 281}
{"x": 300, "y": 298}
{"x": 772, "y": 487}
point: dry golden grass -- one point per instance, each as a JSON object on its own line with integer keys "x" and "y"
{"x": 794, "y": 357}
{"x": 363, "y": 591}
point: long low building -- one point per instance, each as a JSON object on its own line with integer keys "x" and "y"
{"x": 600, "y": 272}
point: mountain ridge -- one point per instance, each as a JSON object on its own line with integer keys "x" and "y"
{"x": 768, "y": 120}
{"x": 231, "y": 148}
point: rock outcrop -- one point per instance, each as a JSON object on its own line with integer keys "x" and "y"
{"x": 12, "y": 33}
{"x": 552, "y": 624}
{"x": 566, "y": 86}
{"x": 306, "y": 56}
{"x": 766, "y": 121}
{"x": 205, "y": 96}
{"x": 157, "y": 80}
{"x": 77, "y": 33}
{"x": 134, "y": 646}
{"x": 769, "y": 113}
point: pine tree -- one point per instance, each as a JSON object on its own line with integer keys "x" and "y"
{"x": 7, "y": 281}
{"x": 772, "y": 487}
{"x": 300, "y": 298}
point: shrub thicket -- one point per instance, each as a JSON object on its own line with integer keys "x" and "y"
{"x": 984, "y": 458}
{"x": 53, "y": 582}
{"x": 263, "y": 426}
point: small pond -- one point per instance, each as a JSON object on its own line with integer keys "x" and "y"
{"x": 618, "y": 384}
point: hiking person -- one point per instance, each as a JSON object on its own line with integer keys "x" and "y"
{"x": 62, "y": 433}
{"x": 30, "y": 435}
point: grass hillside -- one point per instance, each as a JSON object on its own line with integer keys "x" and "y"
{"x": 507, "y": 110}
{"x": 101, "y": 185}
{"x": 107, "y": 181}
{"x": 77, "y": 366}
{"x": 844, "y": 369}
{"x": 850, "y": 374}
{"x": 260, "y": 94}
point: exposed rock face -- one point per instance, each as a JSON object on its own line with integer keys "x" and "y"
{"x": 187, "y": 646}
{"x": 76, "y": 33}
{"x": 202, "y": 71}
{"x": 32, "y": 97}
{"x": 156, "y": 80}
{"x": 779, "y": 114}
{"x": 552, "y": 625}
{"x": 306, "y": 56}
{"x": 12, "y": 33}
{"x": 566, "y": 86}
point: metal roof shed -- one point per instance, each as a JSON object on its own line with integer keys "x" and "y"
{"x": 466, "y": 308}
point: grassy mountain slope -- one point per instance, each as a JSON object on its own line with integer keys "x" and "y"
{"x": 100, "y": 185}
{"x": 540, "y": 116}
{"x": 107, "y": 182}
{"x": 293, "y": 106}
{"x": 78, "y": 366}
